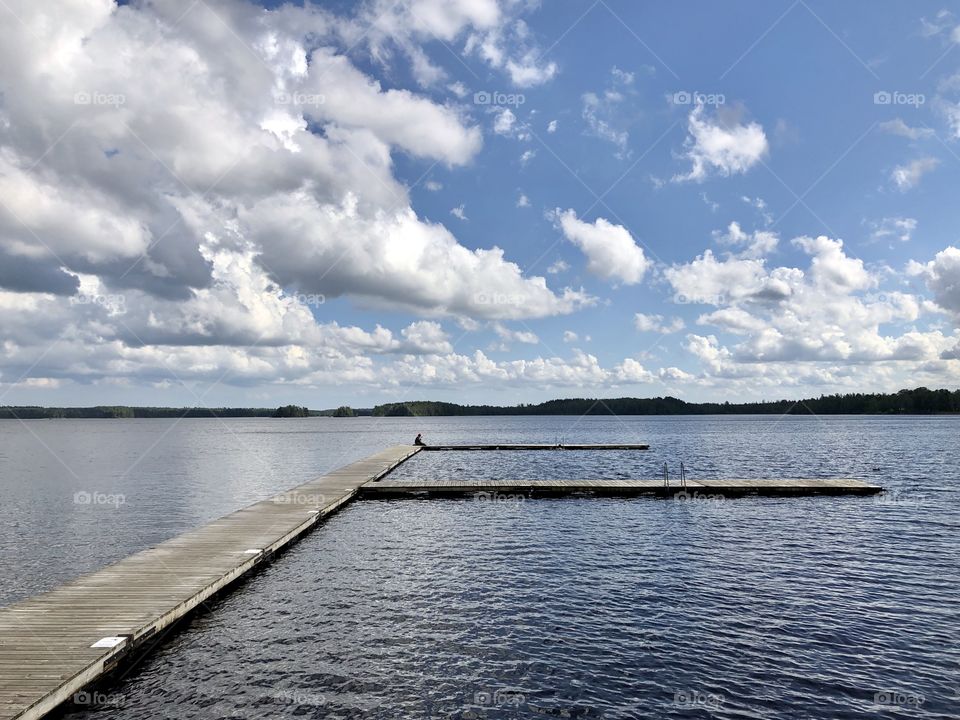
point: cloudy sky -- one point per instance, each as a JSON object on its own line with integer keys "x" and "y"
{"x": 216, "y": 202}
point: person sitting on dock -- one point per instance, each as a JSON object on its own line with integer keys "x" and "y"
{"x": 419, "y": 440}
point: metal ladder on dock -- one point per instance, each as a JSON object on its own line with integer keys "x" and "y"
{"x": 666, "y": 476}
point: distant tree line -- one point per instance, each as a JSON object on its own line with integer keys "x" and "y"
{"x": 126, "y": 411}
{"x": 919, "y": 401}
{"x": 343, "y": 411}
{"x": 288, "y": 411}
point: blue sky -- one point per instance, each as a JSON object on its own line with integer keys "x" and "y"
{"x": 713, "y": 201}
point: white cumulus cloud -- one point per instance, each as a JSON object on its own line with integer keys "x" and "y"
{"x": 721, "y": 145}
{"x": 611, "y": 251}
{"x": 655, "y": 323}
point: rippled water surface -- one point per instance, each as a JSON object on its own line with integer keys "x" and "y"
{"x": 642, "y": 608}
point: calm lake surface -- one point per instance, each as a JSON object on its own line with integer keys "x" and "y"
{"x": 579, "y": 607}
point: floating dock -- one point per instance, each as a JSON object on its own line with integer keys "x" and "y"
{"x": 56, "y": 644}
{"x": 708, "y": 489}
{"x": 513, "y": 446}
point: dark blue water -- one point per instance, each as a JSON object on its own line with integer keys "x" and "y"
{"x": 643, "y": 608}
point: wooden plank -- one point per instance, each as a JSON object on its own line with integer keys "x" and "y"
{"x": 45, "y": 641}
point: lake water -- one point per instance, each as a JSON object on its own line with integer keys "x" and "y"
{"x": 739, "y": 608}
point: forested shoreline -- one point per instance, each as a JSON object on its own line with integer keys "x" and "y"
{"x": 919, "y": 401}
{"x": 31, "y": 412}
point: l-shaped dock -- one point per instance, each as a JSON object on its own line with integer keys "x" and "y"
{"x": 57, "y": 643}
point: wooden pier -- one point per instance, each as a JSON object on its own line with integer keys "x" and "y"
{"x": 514, "y": 446}
{"x": 693, "y": 490}
{"x": 56, "y": 644}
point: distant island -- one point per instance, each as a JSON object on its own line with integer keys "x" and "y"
{"x": 919, "y": 401}
{"x": 285, "y": 411}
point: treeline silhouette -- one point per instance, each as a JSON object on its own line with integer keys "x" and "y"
{"x": 125, "y": 411}
{"x": 918, "y": 401}
{"x": 288, "y": 411}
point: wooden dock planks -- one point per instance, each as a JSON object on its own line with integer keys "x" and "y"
{"x": 45, "y": 641}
